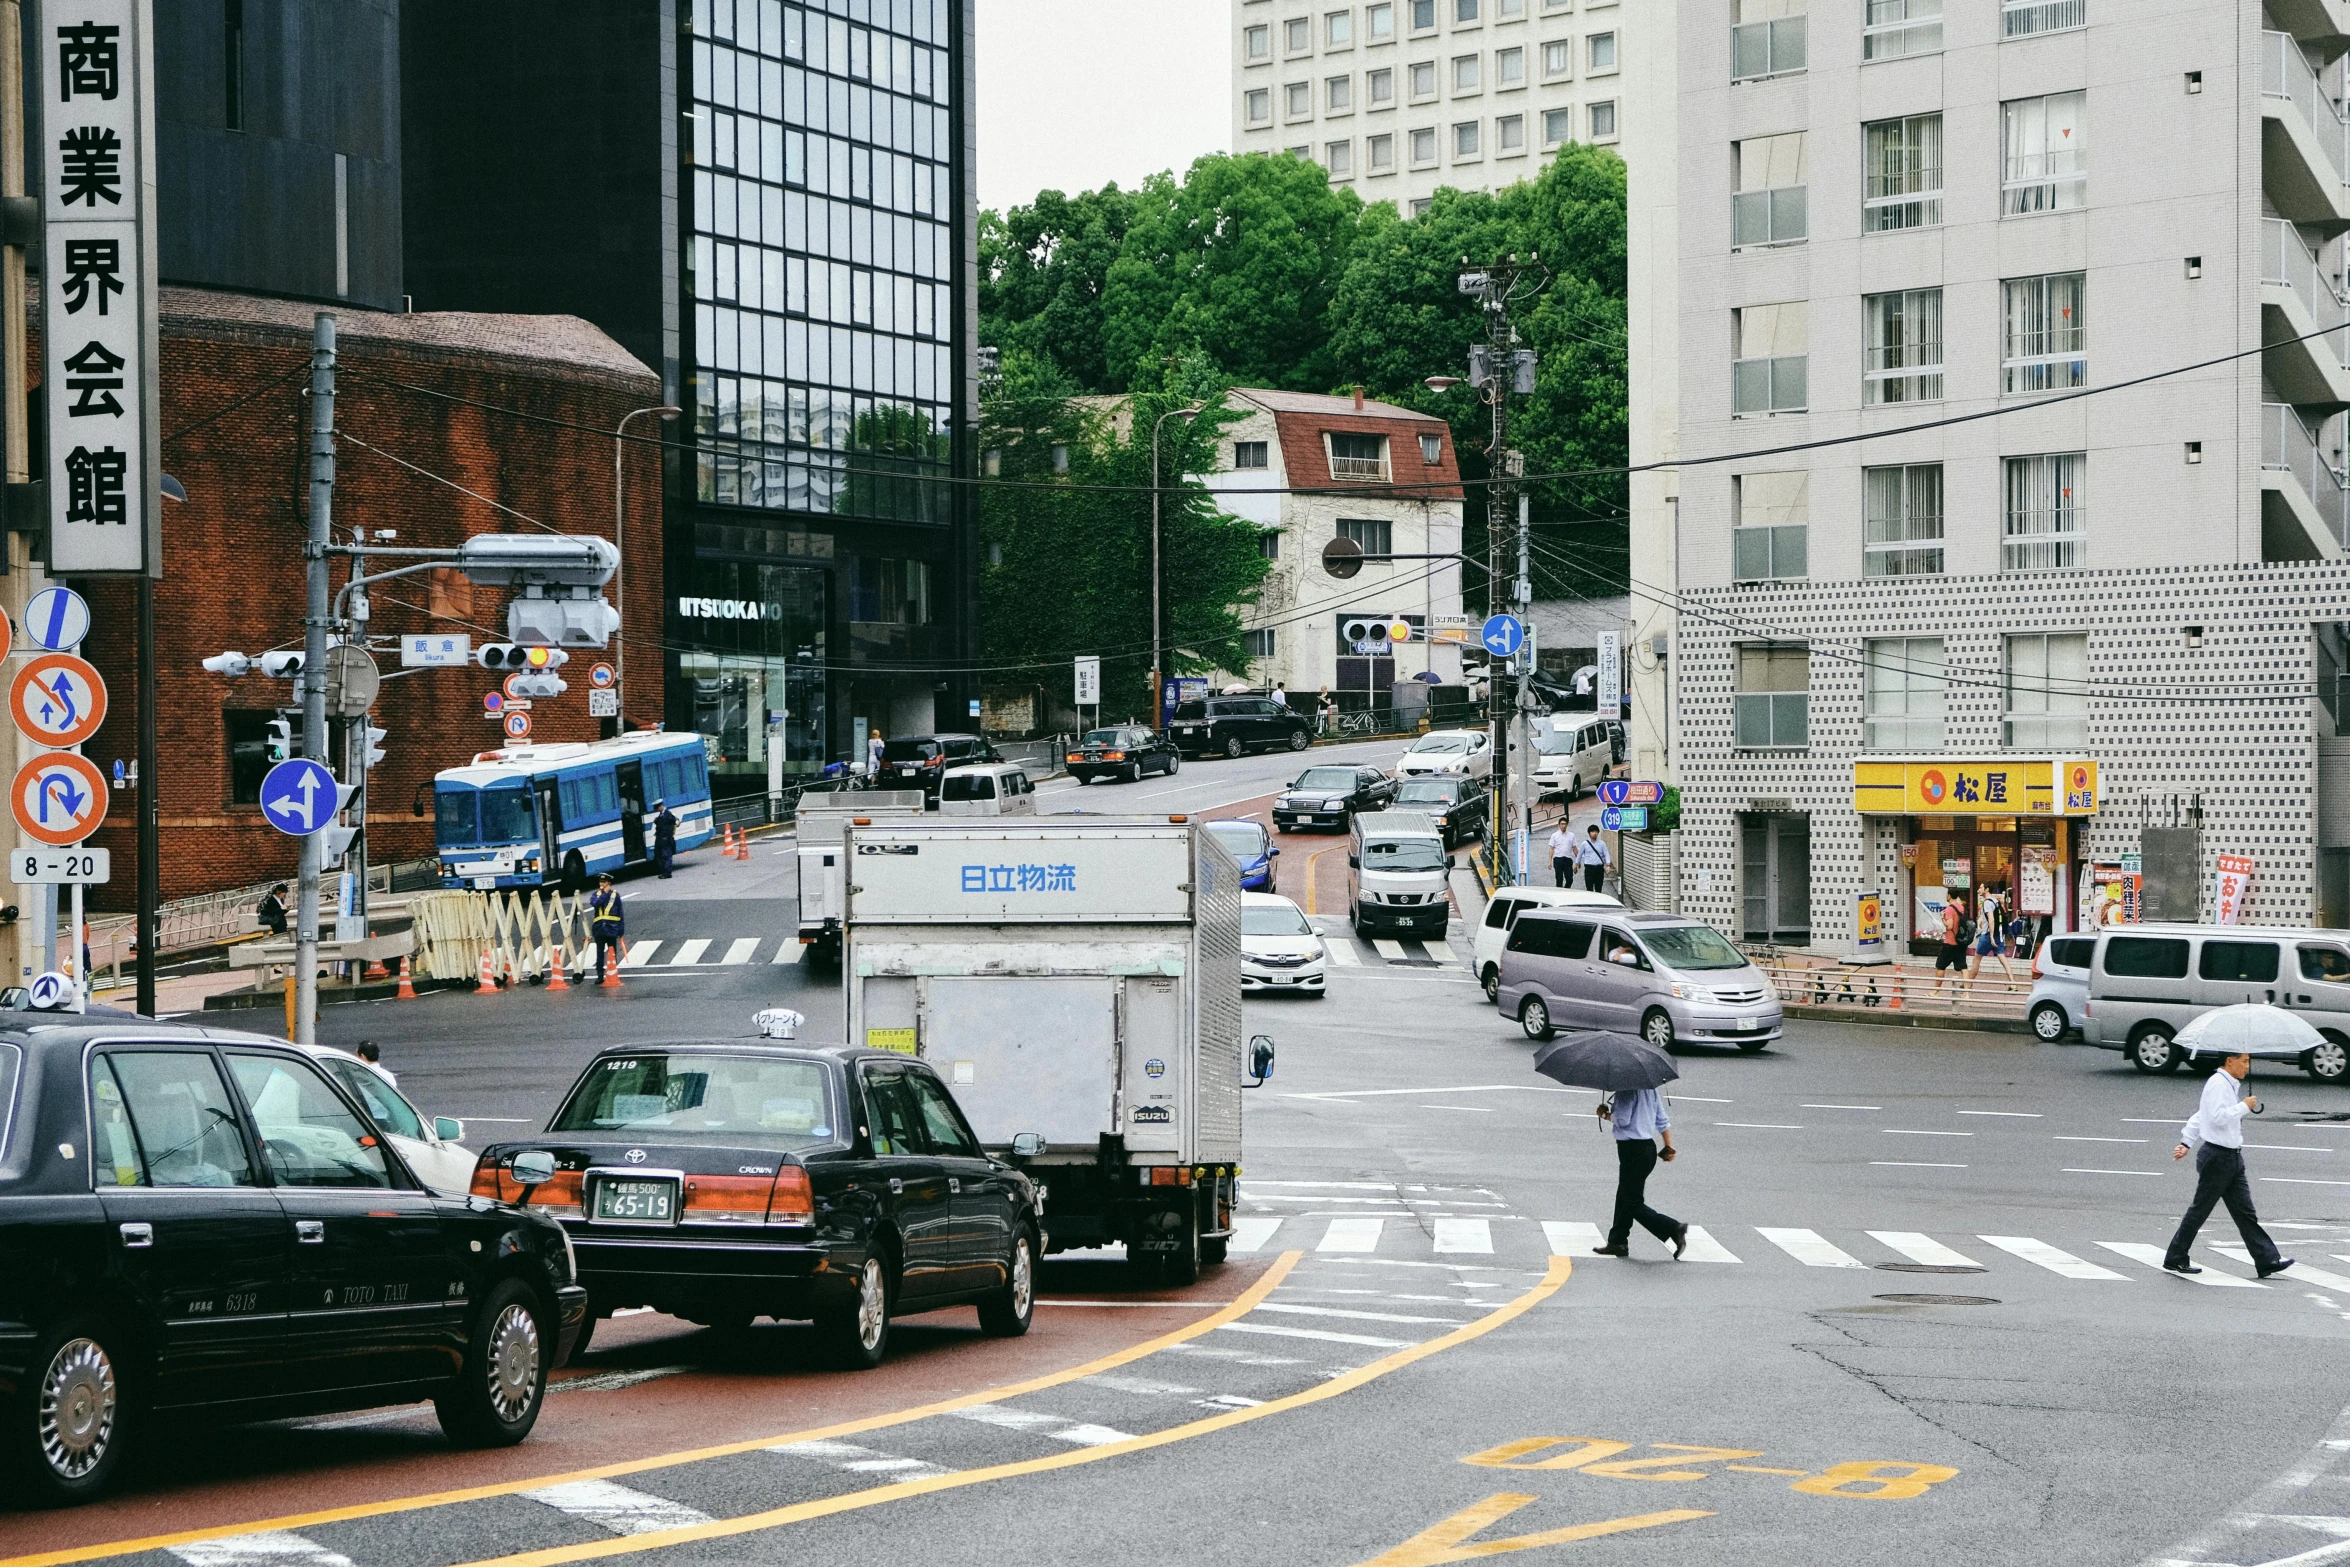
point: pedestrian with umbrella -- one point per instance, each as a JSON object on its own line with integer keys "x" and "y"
{"x": 2214, "y": 1134}
{"x": 1629, "y": 1070}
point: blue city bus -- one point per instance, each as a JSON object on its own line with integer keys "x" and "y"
{"x": 531, "y": 815}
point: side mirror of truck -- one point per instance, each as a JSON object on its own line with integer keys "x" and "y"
{"x": 1354, "y": 862}
{"x": 1027, "y": 1145}
{"x": 1260, "y": 1059}
{"x": 535, "y": 1168}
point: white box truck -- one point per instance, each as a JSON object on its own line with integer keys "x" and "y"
{"x": 1077, "y": 984}
{"x": 820, "y": 822}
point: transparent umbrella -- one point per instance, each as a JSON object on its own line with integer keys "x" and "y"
{"x": 2250, "y": 1029}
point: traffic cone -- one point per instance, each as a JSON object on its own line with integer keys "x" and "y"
{"x": 489, "y": 976}
{"x": 611, "y": 979}
{"x": 726, "y": 842}
{"x": 376, "y": 971}
{"x": 742, "y": 845}
{"x": 555, "y": 979}
{"x": 407, "y": 984}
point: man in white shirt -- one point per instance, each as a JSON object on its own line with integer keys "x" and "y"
{"x": 1591, "y": 853}
{"x": 1562, "y": 855}
{"x": 2215, "y": 1133}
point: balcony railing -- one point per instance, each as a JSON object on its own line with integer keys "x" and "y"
{"x": 1760, "y": 49}
{"x": 2286, "y": 445}
{"x": 1364, "y": 470}
{"x": 2288, "y": 259}
{"x": 2285, "y": 73}
{"x": 2019, "y": 17}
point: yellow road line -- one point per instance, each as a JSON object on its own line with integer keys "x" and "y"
{"x": 854, "y": 1501}
{"x": 1240, "y": 1307}
{"x": 1312, "y": 860}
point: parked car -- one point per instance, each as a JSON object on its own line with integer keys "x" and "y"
{"x": 2147, "y": 981}
{"x": 1572, "y": 754}
{"x": 1248, "y": 842}
{"x": 1501, "y": 916}
{"x": 990, "y": 789}
{"x": 1235, "y": 725}
{"x": 1124, "y": 751}
{"x": 200, "y": 1223}
{"x": 1278, "y": 948}
{"x": 1668, "y": 979}
{"x": 432, "y": 1145}
{"x": 1460, "y": 804}
{"x": 2060, "y": 986}
{"x": 723, "y": 1182}
{"x": 1448, "y": 752}
{"x": 1329, "y": 796}
{"x": 921, "y": 761}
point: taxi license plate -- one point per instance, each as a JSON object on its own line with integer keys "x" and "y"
{"x": 1746, "y": 1025}
{"x": 636, "y": 1202}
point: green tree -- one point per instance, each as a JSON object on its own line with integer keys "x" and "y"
{"x": 1043, "y": 269}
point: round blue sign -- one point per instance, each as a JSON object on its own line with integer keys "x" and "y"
{"x": 58, "y": 619}
{"x": 298, "y": 797}
{"x": 1502, "y": 636}
{"x": 1614, "y": 791}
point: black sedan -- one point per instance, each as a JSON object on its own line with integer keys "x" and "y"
{"x": 723, "y": 1182}
{"x": 1460, "y": 805}
{"x": 1330, "y": 795}
{"x": 1121, "y": 752}
{"x": 201, "y": 1222}
{"x": 920, "y": 761}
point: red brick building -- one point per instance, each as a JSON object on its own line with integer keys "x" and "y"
{"x": 450, "y": 424}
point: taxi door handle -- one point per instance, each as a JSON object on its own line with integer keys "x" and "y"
{"x": 310, "y": 1232}
{"x": 954, "y": 1184}
{"x": 896, "y": 1185}
{"x": 137, "y": 1237}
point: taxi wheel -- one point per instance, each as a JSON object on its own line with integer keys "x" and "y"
{"x": 858, "y": 1335}
{"x": 1174, "y": 763}
{"x": 68, "y": 1423}
{"x": 503, "y": 1382}
{"x": 1007, "y": 1312}
{"x": 1134, "y": 772}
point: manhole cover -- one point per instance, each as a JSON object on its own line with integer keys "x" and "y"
{"x": 1940, "y": 1300}
{"x": 1928, "y": 1267}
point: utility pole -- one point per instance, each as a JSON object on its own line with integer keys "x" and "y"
{"x": 21, "y": 941}
{"x": 315, "y": 625}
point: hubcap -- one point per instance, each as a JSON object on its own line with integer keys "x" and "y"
{"x": 2329, "y": 1059}
{"x": 1660, "y": 1032}
{"x": 2048, "y": 1022}
{"x": 2154, "y": 1049}
{"x": 1537, "y": 1017}
{"x": 77, "y": 1408}
{"x": 1022, "y": 1280}
{"x": 514, "y": 1362}
{"x": 872, "y": 1305}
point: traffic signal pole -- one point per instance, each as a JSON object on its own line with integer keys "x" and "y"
{"x": 315, "y": 625}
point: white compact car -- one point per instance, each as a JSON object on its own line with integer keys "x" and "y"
{"x": 1278, "y": 949}
{"x": 432, "y": 1145}
{"x": 1454, "y": 752}
{"x": 1502, "y": 911}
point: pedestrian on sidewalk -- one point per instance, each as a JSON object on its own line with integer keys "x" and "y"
{"x": 1328, "y": 709}
{"x": 874, "y": 747}
{"x": 664, "y": 837}
{"x": 607, "y": 922}
{"x": 1956, "y": 930}
{"x": 1592, "y": 855}
{"x": 1638, "y": 1118}
{"x": 2215, "y": 1133}
{"x": 1281, "y": 694}
{"x": 1562, "y": 855}
{"x": 272, "y": 911}
{"x": 1990, "y": 920}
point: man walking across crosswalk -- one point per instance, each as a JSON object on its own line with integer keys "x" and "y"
{"x": 1638, "y": 1118}
{"x": 2215, "y": 1134}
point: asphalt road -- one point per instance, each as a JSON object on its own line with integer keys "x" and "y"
{"x": 1412, "y": 1356}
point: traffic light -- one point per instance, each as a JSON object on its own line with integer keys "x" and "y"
{"x": 535, "y": 686}
{"x": 281, "y": 740}
{"x": 281, "y": 666}
{"x": 502, "y": 657}
{"x": 546, "y": 657}
{"x": 373, "y": 751}
{"x": 586, "y": 621}
{"x": 232, "y": 664}
{"x": 333, "y": 843}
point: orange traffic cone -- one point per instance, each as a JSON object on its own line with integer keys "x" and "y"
{"x": 489, "y": 977}
{"x": 726, "y": 842}
{"x": 407, "y": 984}
{"x": 742, "y": 845}
{"x": 612, "y": 973}
{"x": 555, "y": 979}
{"x": 376, "y": 971}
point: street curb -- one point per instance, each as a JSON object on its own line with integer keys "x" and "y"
{"x": 1881, "y": 1018}
{"x": 253, "y": 1000}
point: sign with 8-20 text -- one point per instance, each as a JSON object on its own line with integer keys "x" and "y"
{"x": 31, "y": 867}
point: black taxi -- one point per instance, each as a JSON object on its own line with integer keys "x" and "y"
{"x": 725, "y": 1181}
{"x": 201, "y": 1221}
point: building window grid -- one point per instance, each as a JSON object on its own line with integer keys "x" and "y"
{"x": 1770, "y": 525}
{"x": 2046, "y": 155}
{"x": 1770, "y": 368}
{"x": 1904, "y": 174}
{"x": 2045, "y": 521}
{"x": 1907, "y": 684}
{"x": 1600, "y": 54}
{"x": 2045, "y": 338}
{"x": 1379, "y": 153}
{"x": 1774, "y": 46}
{"x": 2047, "y": 689}
{"x": 1892, "y": 29}
{"x": 1603, "y": 121}
{"x": 1770, "y": 204}
{"x": 1904, "y": 363}
{"x": 1260, "y": 105}
{"x": 1772, "y": 706}
{"x": 1376, "y": 535}
{"x": 1903, "y": 521}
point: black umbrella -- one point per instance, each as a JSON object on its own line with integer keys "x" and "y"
{"x": 1609, "y": 1062}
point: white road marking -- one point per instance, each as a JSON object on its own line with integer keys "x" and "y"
{"x": 1143, "y": 1387}
{"x": 2041, "y": 1254}
{"x": 2289, "y": 1147}
{"x": 1760, "y": 1126}
{"x": 616, "y": 1507}
{"x": 2020, "y": 1115}
{"x": 1464, "y": 1235}
{"x": 862, "y": 1460}
{"x": 1839, "y": 1107}
{"x": 690, "y": 953}
{"x": 789, "y": 951}
{"x": 2100, "y": 1139}
{"x": 1250, "y": 1234}
{"x": 612, "y": 1381}
{"x": 1451, "y": 951}
{"x": 1228, "y": 1401}
{"x": 639, "y": 954}
{"x": 2302, "y": 1272}
{"x": 1077, "y": 1432}
{"x": 2069, "y": 1170}
{"x": 2287, "y": 1180}
{"x": 1465, "y": 1109}
{"x": 742, "y": 948}
{"x": 1351, "y": 1234}
{"x": 1922, "y": 1248}
{"x": 1808, "y": 1248}
{"x": 1570, "y": 1237}
{"x": 1913, "y": 1164}
{"x": 1392, "y": 951}
{"x": 1342, "y": 953}
{"x": 247, "y": 1550}
{"x": 2139, "y": 1251}
{"x": 1359, "y": 1316}
{"x": 1315, "y": 1333}
{"x": 1250, "y": 1183}
{"x": 1903, "y": 1131}
{"x": 1704, "y": 1248}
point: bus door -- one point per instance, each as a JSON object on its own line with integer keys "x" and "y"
{"x": 550, "y": 830}
{"x": 632, "y": 811}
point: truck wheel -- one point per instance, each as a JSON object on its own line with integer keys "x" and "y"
{"x": 858, "y": 1334}
{"x": 503, "y": 1380}
{"x": 66, "y": 1429}
{"x": 1180, "y": 1267}
{"x": 1007, "y": 1312}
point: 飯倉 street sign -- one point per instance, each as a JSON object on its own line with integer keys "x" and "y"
{"x": 518, "y": 726}
{"x": 57, "y": 619}
{"x": 603, "y": 704}
{"x": 601, "y": 677}
{"x": 58, "y": 799}
{"x": 1502, "y": 635}
{"x": 58, "y": 700}
{"x": 434, "y": 650}
{"x": 298, "y": 796}
{"x": 33, "y": 867}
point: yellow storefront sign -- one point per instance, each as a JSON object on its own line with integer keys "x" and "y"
{"x": 1975, "y": 786}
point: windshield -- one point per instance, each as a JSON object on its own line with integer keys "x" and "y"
{"x": 1273, "y": 919}
{"x": 1440, "y": 745}
{"x": 1108, "y": 737}
{"x": 456, "y": 821}
{"x": 1551, "y": 742}
{"x": 776, "y": 1102}
{"x": 968, "y": 786}
{"x": 1692, "y": 947}
{"x": 1246, "y": 840}
{"x": 1404, "y": 854}
{"x": 1432, "y": 791}
{"x": 1338, "y": 779}
{"x": 908, "y": 750}
{"x": 507, "y": 815}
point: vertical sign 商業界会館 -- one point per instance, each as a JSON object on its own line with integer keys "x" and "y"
{"x": 91, "y": 78}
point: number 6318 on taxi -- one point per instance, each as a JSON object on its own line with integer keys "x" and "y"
{"x": 28, "y": 867}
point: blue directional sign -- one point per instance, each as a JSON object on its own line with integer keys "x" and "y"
{"x": 1503, "y": 635}
{"x": 1613, "y": 791}
{"x": 298, "y": 796}
{"x": 57, "y": 619}
{"x": 1623, "y": 818}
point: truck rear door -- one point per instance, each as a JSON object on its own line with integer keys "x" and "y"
{"x": 1027, "y": 1053}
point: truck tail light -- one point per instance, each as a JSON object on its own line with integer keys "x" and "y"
{"x": 725, "y": 1199}
{"x": 792, "y": 1201}
{"x": 1170, "y": 1175}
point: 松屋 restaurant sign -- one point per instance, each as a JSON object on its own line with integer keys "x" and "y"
{"x": 94, "y": 77}
{"x": 1976, "y": 786}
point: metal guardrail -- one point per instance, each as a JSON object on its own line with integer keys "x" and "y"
{"x": 2285, "y": 73}
{"x": 2288, "y": 259}
{"x": 2287, "y": 445}
{"x": 1806, "y": 980}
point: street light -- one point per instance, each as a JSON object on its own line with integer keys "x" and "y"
{"x": 620, "y": 541}
{"x": 1158, "y": 663}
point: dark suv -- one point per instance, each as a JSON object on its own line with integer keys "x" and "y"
{"x": 1235, "y": 725}
{"x": 920, "y": 761}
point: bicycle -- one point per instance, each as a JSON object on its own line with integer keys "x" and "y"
{"x": 1355, "y": 724}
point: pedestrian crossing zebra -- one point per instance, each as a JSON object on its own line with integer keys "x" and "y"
{"x": 1348, "y": 950}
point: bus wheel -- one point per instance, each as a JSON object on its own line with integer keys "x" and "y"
{"x": 574, "y": 873}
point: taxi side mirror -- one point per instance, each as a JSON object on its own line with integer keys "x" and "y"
{"x": 1260, "y": 1059}
{"x": 535, "y": 1168}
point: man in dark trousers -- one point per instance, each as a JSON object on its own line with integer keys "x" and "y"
{"x": 272, "y": 912}
{"x": 1592, "y": 855}
{"x": 2215, "y": 1133}
{"x": 1639, "y": 1120}
{"x": 664, "y": 837}
{"x": 607, "y": 922}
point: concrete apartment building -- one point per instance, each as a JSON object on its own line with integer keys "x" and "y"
{"x": 1980, "y": 655}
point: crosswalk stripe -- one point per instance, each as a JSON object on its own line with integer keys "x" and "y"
{"x": 616, "y": 1507}
{"x": 1351, "y": 1234}
{"x": 1704, "y": 1248}
{"x": 639, "y": 954}
{"x": 1808, "y": 1248}
{"x": 275, "y": 1547}
{"x": 690, "y": 953}
{"x": 1445, "y": 949}
{"x": 2138, "y": 1251}
{"x": 1342, "y": 952}
{"x": 742, "y": 949}
{"x": 1356, "y": 1316}
{"x": 1251, "y": 1234}
{"x": 2041, "y": 1254}
{"x": 1923, "y": 1248}
{"x": 1466, "y": 1235}
{"x": 1331, "y": 1338}
{"x": 789, "y": 951}
{"x": 1392, "y": 951}
{"x": 862, "y": 1460}
{"x": 2302, "y": 1271}
{"x": 1569, "y": 1237}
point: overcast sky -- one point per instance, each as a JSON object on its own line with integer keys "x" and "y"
{"x": 1076, "y": 93}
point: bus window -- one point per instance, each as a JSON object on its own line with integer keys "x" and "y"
{"x": 507, "y": 815}
{"x": 456, "y": 824}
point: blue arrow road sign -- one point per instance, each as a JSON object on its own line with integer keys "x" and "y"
{"x": 1613, "y": 791}
{"x": 58, "y": 619}
{"x": 298, "y": 796}
{"x": 1502, "y": 636}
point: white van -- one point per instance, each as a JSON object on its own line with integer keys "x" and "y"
{"x": 2146, "y": 982}
{"x": 1398, "y": 875}
{"x": 1502, "y": 911}
{"x": 1572, "y": 753}
{"x": 990, "y": 789}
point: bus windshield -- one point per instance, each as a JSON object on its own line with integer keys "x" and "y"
{"x": 456, "y": 822}
{"x": 506, "y": 815}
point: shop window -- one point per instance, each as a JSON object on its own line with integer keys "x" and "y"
{"x": 1907, "y": 684}
{"x": 2048, "y": 691}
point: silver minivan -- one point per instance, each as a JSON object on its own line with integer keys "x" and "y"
{"x": 1572, "y": 753}
{"x": 2147, "y": 981}
{"x": 1663, "y": 977}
